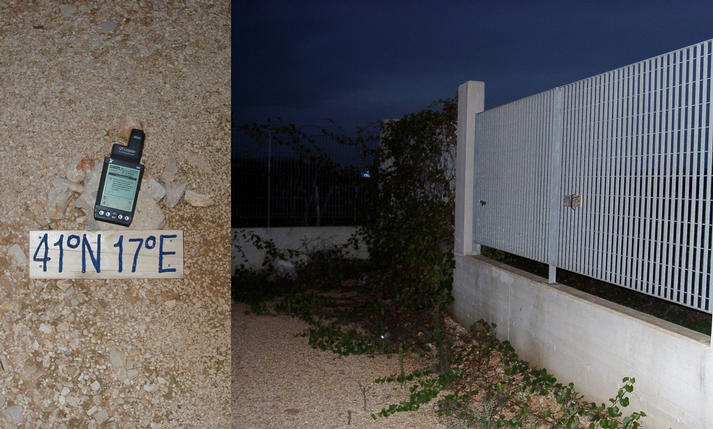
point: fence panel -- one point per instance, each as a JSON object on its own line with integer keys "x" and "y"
{"x": 513, "y": 162}
{"x": 634, "y": 176}
{"x": 290, "y": 192}
{"x": 637, "y": 148}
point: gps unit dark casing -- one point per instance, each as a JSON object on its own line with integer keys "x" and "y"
{"x": 120, "y": 182}
{"x": 132, "y": 151}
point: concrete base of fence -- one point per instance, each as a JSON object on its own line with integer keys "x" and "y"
{"x": 303, "y": 239}
{"x": 592, "y": 342}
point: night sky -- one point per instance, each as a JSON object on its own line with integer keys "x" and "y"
{"x": 356, "y": 62}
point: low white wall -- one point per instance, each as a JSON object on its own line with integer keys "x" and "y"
{"x": 303, "y": 239}
{"x": 591, "y": 342}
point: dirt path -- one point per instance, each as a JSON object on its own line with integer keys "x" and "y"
{"x": 279, "y": 381}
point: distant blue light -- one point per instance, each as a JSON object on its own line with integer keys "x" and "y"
{"x": 366, "y": 174}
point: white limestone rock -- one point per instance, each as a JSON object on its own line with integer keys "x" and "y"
{"x": 101, "y": 416}
{"x": 57, "y": 198}
{"x": 169, "y": 170}
{"x": 67, "y": 10}
{"x": 88, "y": 196}
{"x": 18, "y": 255}
{"x": 174, "y": 193}
{"x": 116, "y": 358}
{"x": 148, "y": 214}
{"x": 64, "y": 284}
{"x": 150, "y": 388}
{"x": 13, "y": 414}
{"x": 78, "y": 168}
{"x": 107, "y": 27}
{"x": 198, "y": 200}
{"x": 155, "y": 188}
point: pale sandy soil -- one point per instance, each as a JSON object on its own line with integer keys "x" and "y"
{"x": 279, "y": 381}
{"x": 148, "y": 353}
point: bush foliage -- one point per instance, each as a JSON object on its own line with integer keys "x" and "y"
{"x": 409, "y": 227}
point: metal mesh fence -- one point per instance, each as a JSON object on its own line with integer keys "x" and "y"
{"x": 283, "y": 190}
{"x": 633, "y": 176}
{"x": 513, "y": 165}
{"x": 637, "y": 148}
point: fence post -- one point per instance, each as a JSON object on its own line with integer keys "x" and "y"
{"x": 555, "y": 186}
{"x": 269, "y": 174}
{"x": 471, "y": 96}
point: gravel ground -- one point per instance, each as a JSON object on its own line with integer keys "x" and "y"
{"x": 115, "y": 353}
{"x": 279, "y": 381}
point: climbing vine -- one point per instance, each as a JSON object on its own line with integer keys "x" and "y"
{"x": 409, "y": 227}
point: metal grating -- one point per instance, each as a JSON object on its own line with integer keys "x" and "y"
{"x": 637, "y": 147}
{"x": 512, "y": 175}
{"x": 609, "y": 177}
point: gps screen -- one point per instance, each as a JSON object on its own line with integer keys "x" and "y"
{"x": 120, "y": 187}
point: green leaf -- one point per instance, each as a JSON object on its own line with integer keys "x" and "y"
{"x": 571, "y": 421}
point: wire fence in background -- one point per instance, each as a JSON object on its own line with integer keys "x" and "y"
{"x": 276, "y": 188}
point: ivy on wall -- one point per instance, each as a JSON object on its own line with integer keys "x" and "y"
{"x": 410, "y": 225}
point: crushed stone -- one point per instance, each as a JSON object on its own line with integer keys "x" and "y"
{"x": 68, "y": 74}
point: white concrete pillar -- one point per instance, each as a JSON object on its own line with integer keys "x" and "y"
{"x": 471, "y": 100}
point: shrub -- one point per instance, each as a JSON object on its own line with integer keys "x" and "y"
{"x": 409, "y": 227}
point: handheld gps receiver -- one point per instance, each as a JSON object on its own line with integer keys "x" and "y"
{"x": 120, "y": 182}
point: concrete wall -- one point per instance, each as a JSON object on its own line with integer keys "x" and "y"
{"x": 303, "y": 239}
{"x": 577, "y": 337}
{"x": 591, "y": 342}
